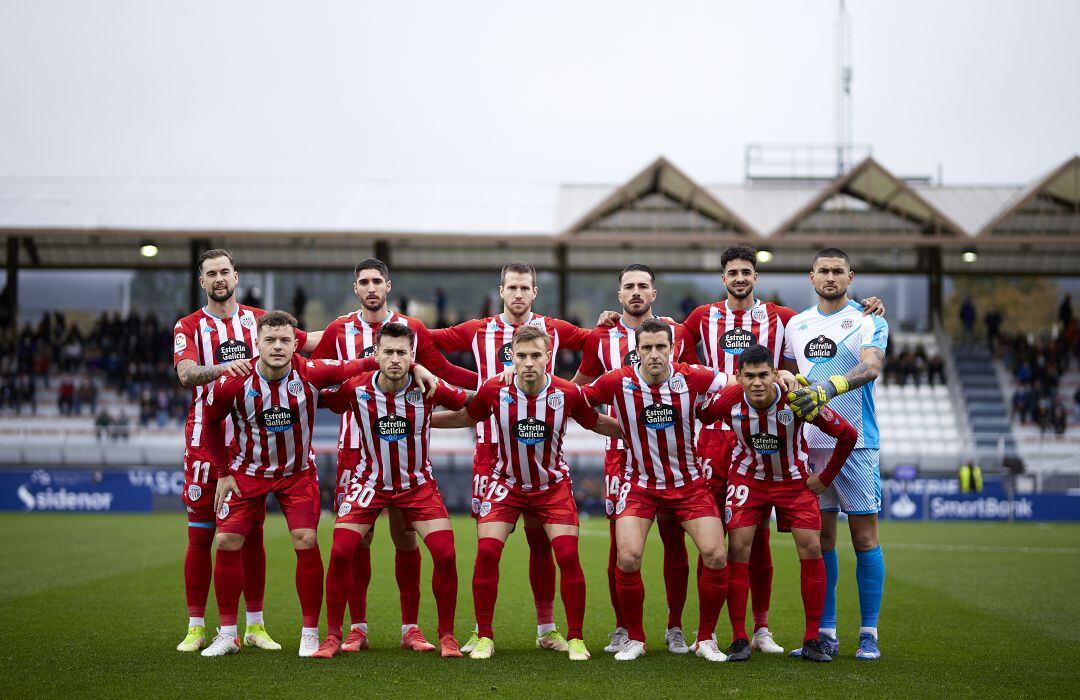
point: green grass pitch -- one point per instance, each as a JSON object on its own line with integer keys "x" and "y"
{"x": 94, "y": 605}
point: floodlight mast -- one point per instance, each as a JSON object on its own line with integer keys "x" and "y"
{"x": 842, "y": 40}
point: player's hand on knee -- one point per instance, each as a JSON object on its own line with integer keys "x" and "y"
{"x": 225, "y": 486}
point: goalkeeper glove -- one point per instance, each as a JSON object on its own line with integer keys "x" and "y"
{"x": 807, "y": 401}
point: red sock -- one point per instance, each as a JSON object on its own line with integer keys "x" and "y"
{"x": 813, "y": 595}
{"x": 541, "y": 574}
{"x": 228, "y": 583}
{"x": 485, "y": 583}
{"x": 738, "y": 590}
{"x": 407, "y": 572}
{"x": 444, "y": 580}
{"x": 632, "y": 602}
{"x": 761, "y": 573}
{"x": 571, "y": 583}
{"x": 254, "y": 569}
{"x": 613, "y": 556}
{"x": 676, "y": 569}
{"x": 339, "y": 577}
{"x": 361, "y": 579}
{"x": 309, "y": 583}
{"x": 712, "y": 591}
{"x": 700, "y": 568}
{"x": 198, "y": 566}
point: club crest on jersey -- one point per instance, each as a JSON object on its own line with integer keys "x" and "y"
{"x": 736, "y": 340}
{"x": 785, "y": 416}
{"x": 609, "y": 507}
{"x": 727, "y": 514}
{"x": 677, "y": 384}
{"x": 179, "y": 344}
{"x": 210, "y": 396}
{"x": 223, "y": 511}
{"x": 555, "y": 401}
{"x": 231, "y": 349}
{"x": 530, "y": 431}
{"x": 506, "y": 355}
{"x": 247, "y": 321}
{"x": 339, "y": 500}
{"x": 344, "y": 508}
{"x": 295, "y": 387}
{"x": 820, "y": 349}
{"x": 414, "y": 397}
{"x": 194, "y": 492}
{"x": 847, "y": 324}
{"x": 620, "y": 506}
{"x": 631, "y": 358}
{"x": 474, "y": 506}
{"x": 278, "y": 419}
{"x": 657, "y": 416}
{"x": 392, "y": 428}
{"x": 485, "y": 508}
{"x": 759, "y": 314}
{"x": 765, "y": 443}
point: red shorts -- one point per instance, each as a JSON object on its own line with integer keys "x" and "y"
{"x": 347, "y": 459}
{"x": 688, "y": 502}
{"x": 200, "y": 483}
{"x": 297, "y": 493}
{"x": 714, "y": 448}
{"x": 363, "y": 504}
{"x": 614, "y": 474}
{"x": 483, "y": 466}
{"x": 749, "y": 502}
{"x": 555, "y": 506}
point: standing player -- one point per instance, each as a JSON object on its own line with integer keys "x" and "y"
{"x": 216, "y": 340}
{"x": 768, "y": 469}
{"x": 530, "y": 477}
{"x": 394, "y": 419}
{"x": 490, "y": 342}
{"x": 273, "y": 411}
{"x": 613, "y": 347}
{"x": 726, "y": 328}
{"x": 842, "y": 352}
{"x": 351, "y": 337}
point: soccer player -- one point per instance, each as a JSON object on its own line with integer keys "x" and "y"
{"x": 352, "y": 336}
{"x": 215, "y": 341}
{"x": 726, "y": 328}
{"x": 530, "y": 477}
{"x": 394, "y": 428}
{"x": 841, "y": 352}
{"x": 609, "y": 348}
{"x": 768, "y": 469}
{"x": 490, "y": 342}
{"x": 273, "y": 411}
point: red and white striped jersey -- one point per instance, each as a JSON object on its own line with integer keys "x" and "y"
{"x": 209, "y": 340}
{"x": 613, "y": 347}
{"x": 350, "y": 337}
{"x": 395, "y": 428}
{"x": 657, "y": 421}
{"x": 725, "y": 333}
{"x": 771, "y": 442}
{"x": 489, "y": 339}
{"x": 530, "y": 429}
{"x": 273, "y": 419}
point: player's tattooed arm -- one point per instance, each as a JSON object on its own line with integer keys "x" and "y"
{"x": 871, "y": 360}
{"x": 194, "y": 374}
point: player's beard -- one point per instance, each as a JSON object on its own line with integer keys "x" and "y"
{"x": 220, "y": 295}
{"x": 373, "y": 304}
{"x": 643, "y": 311}
{"x": 746, "y": 291}
{"x": 831, "y": 295}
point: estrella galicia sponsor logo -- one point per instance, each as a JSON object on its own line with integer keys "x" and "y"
{"x": 820, "y": 349}
{"x": 631, "y": 358}
{"x": 232, "y": 349}
{"x": 414, "y": 397}
{"x": 736, "y": 340}
{"x": 278, "y": 419}
{"x": 785, "y": 416}
{"x": 392, "y": 428}
{"x": 658, "y": 416}
{"x": 506, "y": 355}
{"x": 530, "y": 431}
{"x": 765, "y": 443}
{"x": 367, "y": 352}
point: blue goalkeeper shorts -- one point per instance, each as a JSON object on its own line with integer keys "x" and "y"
{"x": 856, "y": 490}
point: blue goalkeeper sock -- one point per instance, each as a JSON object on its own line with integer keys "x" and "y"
{"x": 832, "y": 574}
{"x": 870, "y": 575}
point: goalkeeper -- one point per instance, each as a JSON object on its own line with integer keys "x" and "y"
{"x": 839, "y": 353}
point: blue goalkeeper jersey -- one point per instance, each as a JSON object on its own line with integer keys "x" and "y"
{"x": 828, "y": 344}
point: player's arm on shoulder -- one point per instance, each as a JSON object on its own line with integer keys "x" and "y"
{"x": 571, "y": 337}
{"x": 872, "y": 306}
{"x": 452, "y": 419}
{"x": 606, "y": 426}
{"x": 834, "y": 425}
{"x": 308, "y": 341}
{"x": 590, "y": 367}
{"x": 337, "y": 398}
{"x": 427, "y": 352}
{"x": 581, "y": 379}
{"x": 454, "y": 338}
{"x": 450, "y": 397}
{"x": 601, "y": 390}
{"x": 714, "y": 408}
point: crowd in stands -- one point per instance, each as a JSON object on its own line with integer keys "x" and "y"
{"x": 913, "y": 365}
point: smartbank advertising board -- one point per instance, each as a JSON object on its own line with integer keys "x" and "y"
{"x": 940, "y": 499}
{"x": 78, "y": 491}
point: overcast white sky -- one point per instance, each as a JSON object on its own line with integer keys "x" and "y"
{"x": 580, "y": 91}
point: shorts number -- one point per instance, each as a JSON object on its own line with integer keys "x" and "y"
{"x": 198, "y": 468}
{"x": 346, "y": 477}
{"x": 479, "y": 484}
{"x": 739, "y": 493}
{"x": 706, "y": 469}
{"x": 361, "y": 494}
{"x": 612, "y": 483}
{"x": 496, "y": 492}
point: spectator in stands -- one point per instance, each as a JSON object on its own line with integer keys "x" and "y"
{"x": 1076, "y": 400}
{"x": 65, "y": 396}
{"x": 122, "y": 431}
{"x": 87, "y": 395}
{"x": 1020, "y": 407}
{"x": 1059, "y": 416}
{"x": 1065, "y": 311}
{"x": 967, "y": 319}
{"x": 993, "y": 321}
{"x": 688, "y": 304}
{"x": 935, "y": 370}
{"x": 101, "y": 425}
{"x": 440, "y": 308}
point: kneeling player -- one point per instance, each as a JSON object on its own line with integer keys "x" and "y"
{"x": 395, "y": 426}
{"x": 530, "y": 478}
{"x": 768, "y": 469}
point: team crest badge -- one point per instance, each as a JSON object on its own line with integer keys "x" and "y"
{"x": 295, "y": 387}
{"x": 340, "y": 500}
{"x": 727, "y": 514}
{"x": 194, "y": 492}
{"x": 785, "y": 416}
{"x": 475, "y": 506}
{"x": 677, "y": 383}
{"x": 759, "y": 314}
{"x": 247, "y": 321}
{"x": 485, "y": 508}
{"x": 609, "y": 507}
{"x": 537, "y": 322}
{"x": 847, "y": 323}
{"x": 210, "y": 396}
{"x": 555, "y": 401}
{"x": 223, "y": 511}
{"x": 180, "y": 344}
{"x": 344, "y": 509}
{"x": 414, "y": 397}
{"x": 620, "y": 506}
